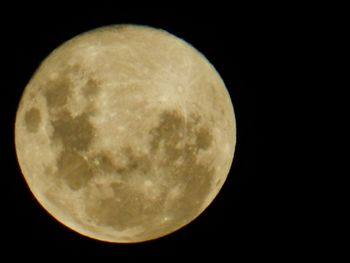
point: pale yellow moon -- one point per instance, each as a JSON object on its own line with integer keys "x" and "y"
{"x": 125, "y": 133}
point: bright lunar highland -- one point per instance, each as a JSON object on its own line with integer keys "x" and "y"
{"x": 125, "y": 133}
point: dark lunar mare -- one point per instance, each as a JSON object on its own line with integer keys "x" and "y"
{"x": 177, "y": 139}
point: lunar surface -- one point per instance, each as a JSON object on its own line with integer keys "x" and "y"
{"x": 125, "y": 133}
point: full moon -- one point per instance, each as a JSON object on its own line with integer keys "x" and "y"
{"x": 125, "y": 133}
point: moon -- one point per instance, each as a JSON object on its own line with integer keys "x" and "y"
{"x": 125, "y": 133}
